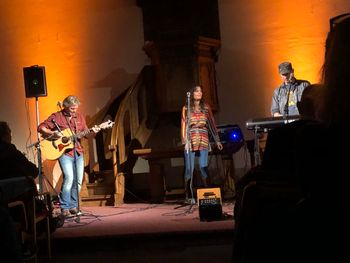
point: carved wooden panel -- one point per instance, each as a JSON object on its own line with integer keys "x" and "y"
{"x": 182, "y": 38}
{"x": 206, "y": 56}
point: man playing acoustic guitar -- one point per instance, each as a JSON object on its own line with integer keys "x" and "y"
{"x": 62, "y": 132}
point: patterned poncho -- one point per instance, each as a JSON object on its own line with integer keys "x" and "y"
{"x": 200, "y": 124}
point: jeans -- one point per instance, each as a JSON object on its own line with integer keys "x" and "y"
{"x": 72, "y": 179}
{"x": 189, "y": 163}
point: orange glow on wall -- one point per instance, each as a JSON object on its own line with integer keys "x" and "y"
{"x": 55, "y": 36}
{"x": 256, "y": 37}
{"x": 84, "y": 42}
{"x": 80, "y": 43}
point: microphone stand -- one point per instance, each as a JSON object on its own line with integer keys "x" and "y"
{"x": 188, "y": 142}
{"x": 188, "y": 117}
{"x": 257, "y": 156}
{"x": 187, "y": 149}
{"x": 38, "y": 149}
{"x": 286, "y": 107}
{"x": 75, "y": 172}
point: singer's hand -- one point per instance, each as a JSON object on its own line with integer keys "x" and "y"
{"x": 219, "y": 145}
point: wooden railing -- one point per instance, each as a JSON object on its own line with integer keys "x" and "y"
{"x": 130, "y": 127}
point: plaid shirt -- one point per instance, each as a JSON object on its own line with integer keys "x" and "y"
{"x": 77, "y": 123}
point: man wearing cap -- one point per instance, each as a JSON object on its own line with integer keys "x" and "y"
{"x": 286, "y": 96}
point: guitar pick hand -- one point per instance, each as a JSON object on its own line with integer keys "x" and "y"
{"x": 56, "y": 135}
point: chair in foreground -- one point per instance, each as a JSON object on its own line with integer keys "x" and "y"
{"x": 37, "y": 211}
{"x": 264, "y": 228}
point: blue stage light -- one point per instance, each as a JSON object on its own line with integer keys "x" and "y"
{"x": 230, "y": 133}
{"x": 231, "y": 136}
{"x": 234, "y": 135}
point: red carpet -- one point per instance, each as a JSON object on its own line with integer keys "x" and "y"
{"x": 135, "y": 233}
{"x": 140, "y": 219}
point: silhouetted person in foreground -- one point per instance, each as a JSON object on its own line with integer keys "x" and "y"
{"x": 279, "y": 158}
{"x": 323, "y": 152}
{"x": 14, "y": 164}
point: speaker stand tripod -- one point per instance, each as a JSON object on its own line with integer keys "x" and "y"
{"x": 38, "y": 149}
{"x": 41, "y": 176}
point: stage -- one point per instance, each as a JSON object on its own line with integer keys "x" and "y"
{"x": 141, "y": 232}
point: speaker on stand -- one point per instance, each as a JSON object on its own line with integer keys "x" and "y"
{"x": 35, "y": 81}
{"x": 35, "y": 86}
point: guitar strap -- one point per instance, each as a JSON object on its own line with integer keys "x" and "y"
{"x": 68, "y": 122}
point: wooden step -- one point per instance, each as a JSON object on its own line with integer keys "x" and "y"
{"x": 100, "y": 192}
{"x": 100, "y": 189}
{"x": 106, "y": 176}
{"x": 98, "y": 200}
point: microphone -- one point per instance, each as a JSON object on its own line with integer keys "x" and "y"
{"x": 286, "y": 106}
{"x": 56, "y": 125}
{"x": 188, "y": 94}
{"x": 59, "y": 104}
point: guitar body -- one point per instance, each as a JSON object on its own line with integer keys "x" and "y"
{"x": 53, "y": 149}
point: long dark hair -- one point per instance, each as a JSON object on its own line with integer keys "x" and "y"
{"x": 201, "y": 102}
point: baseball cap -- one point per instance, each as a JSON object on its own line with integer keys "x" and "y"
{"x": 285, "y": 68}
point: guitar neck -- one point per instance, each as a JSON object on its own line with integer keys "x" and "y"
{"x": 104, "y": 125}
{"x": 81, "y": 134}
{"x": 53, "y": 149}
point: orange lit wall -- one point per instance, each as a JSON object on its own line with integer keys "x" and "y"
{"x": 93, "y": 49}
{"x": 257, "y": 36}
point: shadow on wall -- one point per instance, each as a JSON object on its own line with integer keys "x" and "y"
{"x": 118, "y": 80}
{"x": 242, "y": 95}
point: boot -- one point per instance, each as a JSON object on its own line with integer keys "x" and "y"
{"x": 188, "y": 194}
{"x": 208, "y": 182}
{"x": 205, "y": 182}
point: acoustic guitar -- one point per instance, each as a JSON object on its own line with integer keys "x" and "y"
{"x": 52, "y": 149}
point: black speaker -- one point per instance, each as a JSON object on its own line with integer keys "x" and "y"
{"x": 210, "y": 204}
{"x": 35, "y": 81}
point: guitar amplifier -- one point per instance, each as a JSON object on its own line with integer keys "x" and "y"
{"x": 209, "y": 203}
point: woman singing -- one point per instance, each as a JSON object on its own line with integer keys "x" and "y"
{"x": 196, "y": 123}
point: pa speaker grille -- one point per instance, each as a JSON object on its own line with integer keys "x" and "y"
{"x": 35, "y": 81}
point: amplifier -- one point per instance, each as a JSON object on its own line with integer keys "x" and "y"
{"x": 209, "y": 203}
